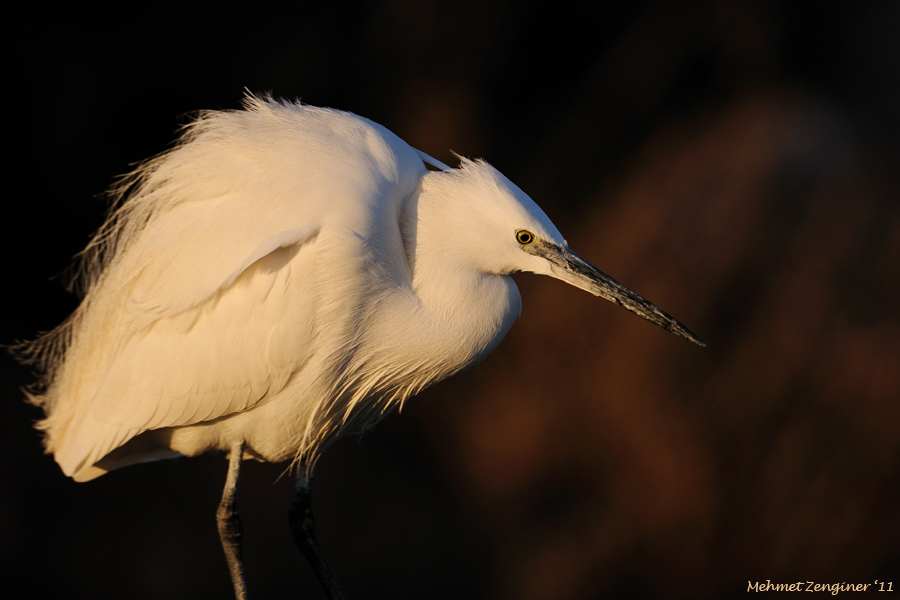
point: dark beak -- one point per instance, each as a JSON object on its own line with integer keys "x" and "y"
{"x": 573, "y": 269}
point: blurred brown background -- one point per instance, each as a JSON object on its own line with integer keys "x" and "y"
{"x": 736, "y": 162}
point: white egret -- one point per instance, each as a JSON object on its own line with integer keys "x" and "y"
{"x": 283, "y": 276}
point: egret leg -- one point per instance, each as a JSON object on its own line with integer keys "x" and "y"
{"x": 303, "y": 526}
{"x": 230, "y": 530}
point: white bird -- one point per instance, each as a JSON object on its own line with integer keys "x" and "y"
{"x": 283, "y": 276}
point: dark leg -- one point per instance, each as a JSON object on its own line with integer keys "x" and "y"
{"x": 230, "y": 524}
{"x": 303, "y": 527}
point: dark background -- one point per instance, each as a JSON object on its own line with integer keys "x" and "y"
{"x": 735, "y": 162}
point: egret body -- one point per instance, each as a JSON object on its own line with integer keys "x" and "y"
{"x": 283, "y": 276}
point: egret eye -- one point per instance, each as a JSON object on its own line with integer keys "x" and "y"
{"x": 524, "y": 237}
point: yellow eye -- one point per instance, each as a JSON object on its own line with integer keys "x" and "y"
{"x": 524, "y": 237}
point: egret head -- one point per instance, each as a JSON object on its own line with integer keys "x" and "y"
{"x": 505, "y": 231}
{"x": 482, "y": 211}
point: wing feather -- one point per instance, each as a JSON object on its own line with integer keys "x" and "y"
{"x": 201, "y": 286}
{"x": 225, "y": 355}
{"x": 220, "y": 357}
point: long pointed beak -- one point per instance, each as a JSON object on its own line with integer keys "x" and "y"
{"x": 571, "y": 268}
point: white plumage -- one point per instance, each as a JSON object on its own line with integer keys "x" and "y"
{"x": 284, "y": 275}
{"x": 287, "y": 274}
